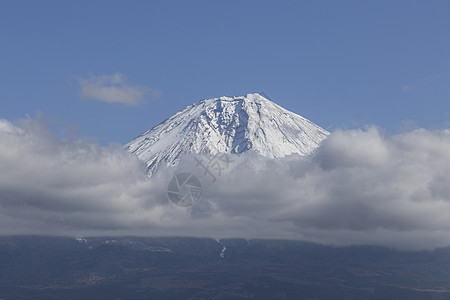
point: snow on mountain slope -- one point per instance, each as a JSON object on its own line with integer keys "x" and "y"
{"x": 227, "y": 125}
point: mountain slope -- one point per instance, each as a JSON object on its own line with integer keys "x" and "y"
{"x": 227, "y": 125}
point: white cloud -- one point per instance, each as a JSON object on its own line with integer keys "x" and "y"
{"x": 359, "y": 188}
{"x": 114, "y": 89}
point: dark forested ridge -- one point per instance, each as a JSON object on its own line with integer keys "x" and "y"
{"x": 37, "y": 267}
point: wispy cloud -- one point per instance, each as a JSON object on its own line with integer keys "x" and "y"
{"x": 113, "y": 88}
{"x": 406, "y": 87}
{"x": 359, "y": 188}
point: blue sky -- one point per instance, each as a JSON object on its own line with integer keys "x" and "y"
{"x": 342, "y": 64}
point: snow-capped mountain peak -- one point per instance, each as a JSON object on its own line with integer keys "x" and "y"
{"x": 227, "y": 125}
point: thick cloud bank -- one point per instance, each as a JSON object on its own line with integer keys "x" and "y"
{"x": 358, "y": 188}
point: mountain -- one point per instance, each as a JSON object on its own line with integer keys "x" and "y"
{"x": 43, "y": 267}
{"x": 227, "y": 125}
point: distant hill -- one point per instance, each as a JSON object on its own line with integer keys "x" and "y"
{"x": 33, "y": 267}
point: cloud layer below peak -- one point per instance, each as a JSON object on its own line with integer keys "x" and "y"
{"x": 359, "y": 188}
